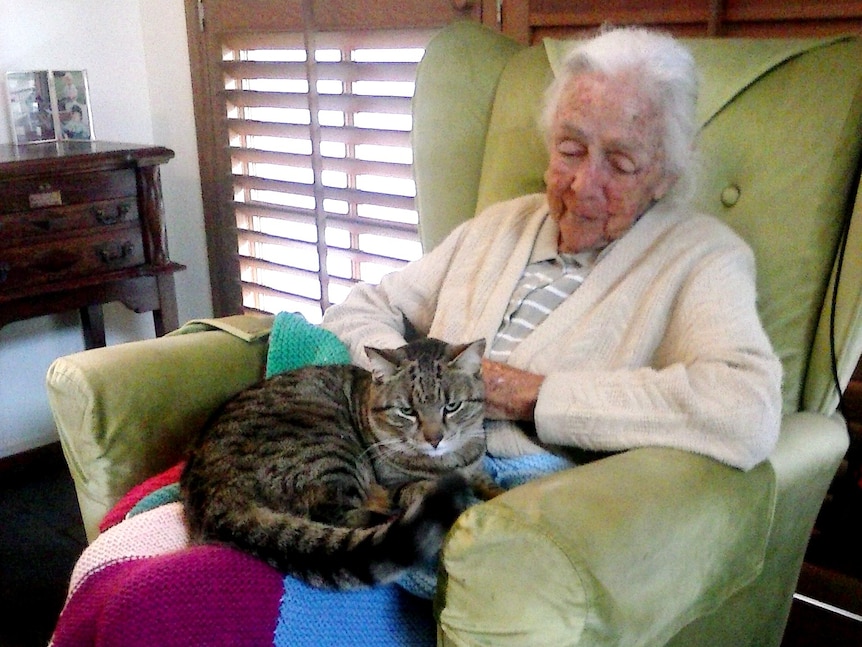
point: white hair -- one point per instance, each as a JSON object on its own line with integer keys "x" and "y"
{"x": 665, "y": 72}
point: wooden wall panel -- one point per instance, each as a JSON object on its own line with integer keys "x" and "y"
{"x": 776, "y": 18}
{"x": 528, "y": 21}
{"x": 286, "y": 15}
{"x": 388, "y": 14}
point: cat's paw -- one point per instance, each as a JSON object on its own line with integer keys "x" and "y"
{"x": 455, "y": 489}
{"x": 485, "y": 488}
{"x": 437, "y": 511}
{"x": 376, "y": 508}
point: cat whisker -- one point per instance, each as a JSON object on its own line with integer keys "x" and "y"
{"x": 384, "y": 447}
{"x": 469, "y": 435}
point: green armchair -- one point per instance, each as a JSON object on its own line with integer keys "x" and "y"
{"x": 647, "y": 547}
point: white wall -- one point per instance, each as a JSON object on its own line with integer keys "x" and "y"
{"x": 136, "y": 57}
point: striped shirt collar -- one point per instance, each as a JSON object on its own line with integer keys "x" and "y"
{"x": 545, "y": 247}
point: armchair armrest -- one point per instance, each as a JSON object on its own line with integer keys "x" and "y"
{"x": 127, "y": 412}
{"x": 626, "y": 550}
{"x": 645, "y": 547}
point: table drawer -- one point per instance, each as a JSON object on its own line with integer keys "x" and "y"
{"x": 30, "y": 193}
{"x": 96, "y": 253}
{"x": 28, "y": 226}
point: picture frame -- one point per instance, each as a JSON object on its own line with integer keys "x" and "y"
{"x": 32, "y": 115}
{"x": 49, "y": 105}
{"x": 72, "y": 95}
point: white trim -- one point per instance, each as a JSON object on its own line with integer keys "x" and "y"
{"x": 827, "y": 607}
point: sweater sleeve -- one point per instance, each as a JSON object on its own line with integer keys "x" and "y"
{"x": 374, "y": 315}
{"x": 713, "y": 387}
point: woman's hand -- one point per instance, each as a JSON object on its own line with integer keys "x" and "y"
{"x": 510, "y": 393}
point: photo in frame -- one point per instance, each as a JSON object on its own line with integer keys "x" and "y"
{"x": 30, "y": 108}
{"x": 49, "y": 105}
{"x": 74, "y": 119}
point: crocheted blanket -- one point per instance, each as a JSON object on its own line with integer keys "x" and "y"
{"x": 141, "y": 583}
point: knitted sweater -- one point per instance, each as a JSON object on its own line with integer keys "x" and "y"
{"x": 662, "y": 344}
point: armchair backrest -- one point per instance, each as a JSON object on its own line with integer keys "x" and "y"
{"x": 780, "y": 145}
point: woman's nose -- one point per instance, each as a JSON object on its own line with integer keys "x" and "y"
{"x": 589, "y": 179}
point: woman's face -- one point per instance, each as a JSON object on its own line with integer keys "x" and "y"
{"x": 606, "y": 160}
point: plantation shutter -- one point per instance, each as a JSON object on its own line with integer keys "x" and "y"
{"x": 306, "y": 142}
{"x": 321, "y": 161}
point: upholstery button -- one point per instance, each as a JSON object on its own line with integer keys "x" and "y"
{"x": 730, "y": 195}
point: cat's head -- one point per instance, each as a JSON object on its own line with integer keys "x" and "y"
{"x": 427, "y": 397}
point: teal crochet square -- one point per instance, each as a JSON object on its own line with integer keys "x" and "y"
{"x": 294, "y": 343}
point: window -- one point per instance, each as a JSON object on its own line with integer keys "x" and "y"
{"x": 320, "y": 155}
{"x": 305, "y": 159}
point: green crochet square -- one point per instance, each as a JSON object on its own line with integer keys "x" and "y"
{"x": 294, "y": 343}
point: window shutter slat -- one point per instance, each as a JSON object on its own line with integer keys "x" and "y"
{"x": 359, "y": 71}
{"x": 344, "y": 165}
{"x": 339, "y": 103}
{"x": 238, "y": 70}
{"x": 343, "y": 135}
{"x": 251, "y": 183}
{"x": 395, "y": 230}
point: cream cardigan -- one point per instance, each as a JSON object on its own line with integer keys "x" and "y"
{"x": 661, "y": 345}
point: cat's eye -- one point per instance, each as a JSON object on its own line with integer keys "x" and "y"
{"x": 407, "y": 412}
{"x": 452, "y": 407}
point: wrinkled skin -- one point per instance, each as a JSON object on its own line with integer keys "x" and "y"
{"x": 606, "y": 162}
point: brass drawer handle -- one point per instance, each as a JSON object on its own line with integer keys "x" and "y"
{"x": 111, "y": 217}
{"x": 113, "y": 253}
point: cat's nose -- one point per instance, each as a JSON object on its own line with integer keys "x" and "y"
{"x": 433, "y": 438}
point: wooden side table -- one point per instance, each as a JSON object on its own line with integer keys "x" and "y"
{"x": 81, "y": 225}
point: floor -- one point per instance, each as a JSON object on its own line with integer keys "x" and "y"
{"x": 811, "y": 626}
{"x": 41, "y": 536}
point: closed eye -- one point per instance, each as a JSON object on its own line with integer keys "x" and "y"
{"x": 571, "y": 148}
{"x": 623, "y": 164}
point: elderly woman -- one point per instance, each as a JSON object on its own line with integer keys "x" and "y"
{"x": 616, "y": 316}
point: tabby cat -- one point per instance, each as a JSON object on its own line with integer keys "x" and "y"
{"x": 340, "y": 476}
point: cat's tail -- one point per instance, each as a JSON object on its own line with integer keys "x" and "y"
{"x": 345, "y": 558}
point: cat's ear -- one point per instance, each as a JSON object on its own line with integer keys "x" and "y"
{"x": 468, "y": 357}
{"x": 384, "y": 361}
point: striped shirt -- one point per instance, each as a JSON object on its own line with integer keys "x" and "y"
{"x": 548, "y": 280}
